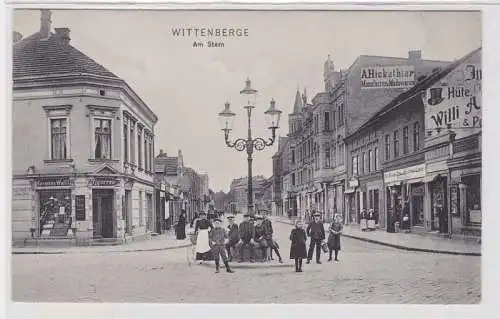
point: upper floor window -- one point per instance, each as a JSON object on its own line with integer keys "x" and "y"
{"x": 316, "y": 128}
{"x": 406, "y": 146}
{"x": 387, "y": 147}
{"x": 58, "y": 139}
{"x": 396, "y": 143}
{"x": 375, "y": 161}
{"x": 102, "y": 133}
{"x": 370, "y": 159}
{"x": 341, "y": 114}
{"x": 132, "y": 143}
{"x": 327, "y": 121}
{"x": 293, "y": 179}
{"x": 334, "y": 156}
{"x": 355, "y": 170}
{"x": 139, "y": 147}
{"x": 327, "y": 156}
{"x": 416, "y": 137}
{"x": 363, "y": 163}
{"x": 125, "y": 140}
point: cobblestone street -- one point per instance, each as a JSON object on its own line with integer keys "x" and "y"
{"x": 366, "y": 273}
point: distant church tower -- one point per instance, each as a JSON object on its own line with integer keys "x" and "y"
{"x": 329, "y": 75}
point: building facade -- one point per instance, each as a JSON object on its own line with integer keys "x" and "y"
{"x": 280, "y": 169}
{"x": 239, "y": 192}
{"x": 453, "y": 116}
{"x": 420, "y": 154}
{"x": 318, "y": 157}
{"x": 83, "y": 145}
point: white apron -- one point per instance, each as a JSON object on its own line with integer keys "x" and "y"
{"x": 202, "y": 245}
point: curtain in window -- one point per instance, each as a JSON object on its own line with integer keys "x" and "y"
{"x": 102, "y": 139}
{"x": 58, "y": 139}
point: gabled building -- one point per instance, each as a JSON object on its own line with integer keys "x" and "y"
{"x": 280, "y": 170}
{"x": 83, "y": 145}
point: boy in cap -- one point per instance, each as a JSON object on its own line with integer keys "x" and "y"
{"x": 234, "y": 236}
{"x": 268, "y": 235}
{"x": 259, "y": 237}
{"x": 316, "y": 231}
{"x": 218, "y": 237}
{"x": 247, "y": 233}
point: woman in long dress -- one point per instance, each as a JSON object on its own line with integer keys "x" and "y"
{"x": 202, "y": 228}
{"x": 334, "y": 237}
{"x": 180, "y": 229}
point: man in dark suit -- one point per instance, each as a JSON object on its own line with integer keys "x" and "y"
{"x": 247, "y": 234}
{"x": 316, "y": 231}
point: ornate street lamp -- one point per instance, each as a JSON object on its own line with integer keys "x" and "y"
{"x": 226, "y": 120}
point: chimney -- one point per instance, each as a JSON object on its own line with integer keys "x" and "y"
{"x": 16, "y": 37}
{"x": 45, "y": 23}
{"x": 162, "y": 153}
{"x": 63, "y": 35}
{"x": 414, "y": 55}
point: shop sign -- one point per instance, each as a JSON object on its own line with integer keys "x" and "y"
{"x": 403, "y": 174}
{"x": 418, "y": 191}
{"x": 387, "y": 77}
{"x": 53, "y": 182}
{"x": 455, "y": 102}
{"x": 102, "y": 181}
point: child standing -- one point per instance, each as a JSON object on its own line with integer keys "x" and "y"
{"x": 218, "y": 239}
{"x": 298, "y": 247}
{"x": 334, "y": 237}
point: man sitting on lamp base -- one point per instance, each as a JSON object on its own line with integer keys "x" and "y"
{"x": 247, "y": 234}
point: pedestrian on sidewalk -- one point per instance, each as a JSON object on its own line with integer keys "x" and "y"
{"x": 315, "y": 230}
{"x": 234, "y": 237}
{"x": 371, "y": 220}
{"x": 298, "y": 246}
{"x": 218, "y": 239}
{"x": 247, "y": 234}
{"x": 180, "y": 228}
{"x": 193, "y": 221}
{"x": 363, "y": 223}
{"x": 334, "y": 237}
{"x": 202, "y": 229}
{"x": 268, "y": 235}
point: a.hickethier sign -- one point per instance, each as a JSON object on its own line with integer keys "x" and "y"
{"x": 387, "y": 77}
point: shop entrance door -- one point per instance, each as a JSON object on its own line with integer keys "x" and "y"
{"x": 102, "y": 211}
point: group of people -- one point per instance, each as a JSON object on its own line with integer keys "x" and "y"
{"x": 368, "y": 220}
{"x": 316, "y": 231}
{"x": 214, "y": 242}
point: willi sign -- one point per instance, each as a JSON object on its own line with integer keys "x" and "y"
{"x": 455, "y": 102}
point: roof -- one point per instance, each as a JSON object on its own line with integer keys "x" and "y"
{"x": 166, "y": 165}
{"x": 297, "y": 106}
{"x": 34, "y": 56}
{"x": 413, "y": 92}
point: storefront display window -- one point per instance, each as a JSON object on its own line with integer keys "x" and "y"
{"x": 473, "y": 202}
{"x": 417, "y": 204}
{"x": 55, "y": 213}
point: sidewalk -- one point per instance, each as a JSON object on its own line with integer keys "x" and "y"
{"x": 409, "y": 241}
{"x": 160, "y": 242}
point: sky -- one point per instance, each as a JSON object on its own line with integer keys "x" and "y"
{"x": 187, "y": 87}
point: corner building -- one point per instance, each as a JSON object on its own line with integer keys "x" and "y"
{"x": 83, "y": 145}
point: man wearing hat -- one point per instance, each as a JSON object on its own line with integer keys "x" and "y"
{"x": 234, "y": 236}
{"x": 218, "y": 238}
{"x": 260, "y": 241}
{"x": 316, "y": 231}
{"x": 247, "y": 233}
{"x": 202, "y": 228}
{"x": 268, "y": 235}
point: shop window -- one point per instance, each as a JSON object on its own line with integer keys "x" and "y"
{"x": 473, "y": 200}
{"x": 55, "y": 213}
{"x": 102, "y": 133}
{"x": 58, "y": 139}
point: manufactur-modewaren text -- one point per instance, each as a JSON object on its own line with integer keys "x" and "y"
{"x": 210, "y": 32}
